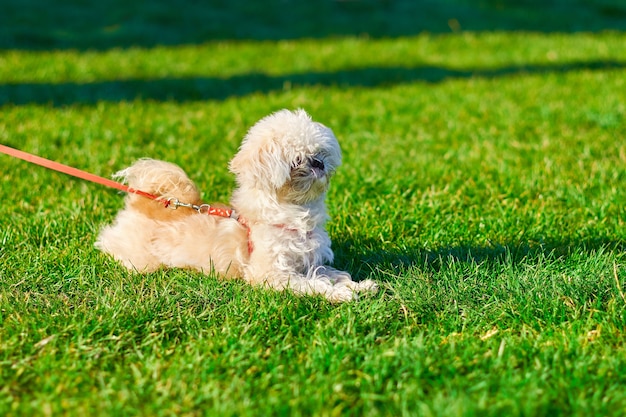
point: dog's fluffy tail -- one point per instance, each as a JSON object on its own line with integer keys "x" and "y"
{"x": 159, "y": 178}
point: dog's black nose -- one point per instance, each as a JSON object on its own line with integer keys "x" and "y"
{"x": 317, "y": 163}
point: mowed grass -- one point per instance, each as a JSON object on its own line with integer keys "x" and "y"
{"x": 482, "y": 187}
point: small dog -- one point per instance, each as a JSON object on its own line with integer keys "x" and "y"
{"x": 273, "y": 236}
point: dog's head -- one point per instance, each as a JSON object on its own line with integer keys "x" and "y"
{"x": 288, "y": 155}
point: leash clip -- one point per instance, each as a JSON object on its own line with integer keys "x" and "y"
{"x": 203, "y": 208}
{"x": 173, "y": 203}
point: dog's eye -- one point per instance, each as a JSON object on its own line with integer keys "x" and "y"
{"x": 317, "y": 163}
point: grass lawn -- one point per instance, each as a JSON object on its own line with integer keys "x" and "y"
{"x": 483, "y": 187}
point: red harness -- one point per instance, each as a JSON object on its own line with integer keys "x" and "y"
{"x": 172, "y": 203}
{"x": 208, "y": 209}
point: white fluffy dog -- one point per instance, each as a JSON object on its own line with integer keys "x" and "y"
{"x": 273, "y": 235}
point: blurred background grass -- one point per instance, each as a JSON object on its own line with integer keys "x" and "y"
{"x": 87, "y": 24}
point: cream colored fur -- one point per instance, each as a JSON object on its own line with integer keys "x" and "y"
{"x": 282, "y": 170}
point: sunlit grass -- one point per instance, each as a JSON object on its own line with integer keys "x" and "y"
{"x": 225, "y": 59}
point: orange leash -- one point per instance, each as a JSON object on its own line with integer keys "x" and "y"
{"x": 74, "y": 172}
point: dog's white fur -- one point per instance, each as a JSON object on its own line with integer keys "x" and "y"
{"x": 282, "y": 170}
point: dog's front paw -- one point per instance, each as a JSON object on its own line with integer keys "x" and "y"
{"x": 349, "y": 290}
{"x": 335, "y": 276}
{"x": 366, "y": 286}
{"x": 341, "y": 294}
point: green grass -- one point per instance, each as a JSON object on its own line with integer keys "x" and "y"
{"x": 483, "y": 187}
{"x": 84, "y": 24}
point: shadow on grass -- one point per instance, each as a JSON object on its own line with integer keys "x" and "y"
{"x": 91, "y": 24}
{"x": 193, "y": 89}
{"x": 361, "y": 264}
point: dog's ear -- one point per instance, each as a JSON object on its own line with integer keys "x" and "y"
{"x": 265, "y": 168}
